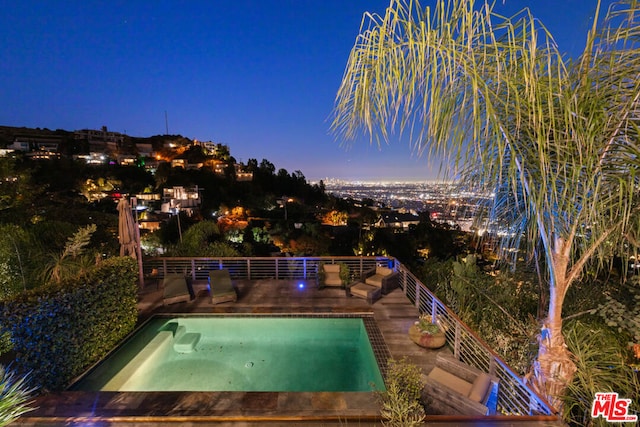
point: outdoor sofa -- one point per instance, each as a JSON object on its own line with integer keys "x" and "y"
{"x": 455, "y": 388}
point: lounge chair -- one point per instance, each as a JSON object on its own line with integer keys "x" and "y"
{"x": 221, "y": 288}
{"x": 330, "y": 275}
{"x": 175, "y": 289}
{"x": 382, "y": 277}
{"x": 455, "y": 388}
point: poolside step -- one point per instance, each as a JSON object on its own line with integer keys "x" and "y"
{"x": 157, "y": 345}
{"x": 187, "y": 342}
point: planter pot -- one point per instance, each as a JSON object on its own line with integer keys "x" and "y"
{"x": 436, "y": 340}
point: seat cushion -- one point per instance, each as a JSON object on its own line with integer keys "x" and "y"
{"x": 383, "y": 271}
{"x": 453, "y": 382}
{"x": 480, "y": 387}
{"x": 363, "y": 291}
{"x": 332, "y": 279}
{"x": 331, "y": 268}
{"x": 375, "y": 280}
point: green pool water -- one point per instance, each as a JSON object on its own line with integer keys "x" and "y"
{"x": 241, "y": 354}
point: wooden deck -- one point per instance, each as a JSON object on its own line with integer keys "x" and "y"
{"x": 393, "y": 315}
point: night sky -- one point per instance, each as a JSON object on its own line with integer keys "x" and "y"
{"x": 258, "y": 75}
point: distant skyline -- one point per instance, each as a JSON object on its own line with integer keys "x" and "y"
{"x": 259, "y": 76}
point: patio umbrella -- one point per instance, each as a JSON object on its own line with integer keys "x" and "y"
{"x": 126, "y": 229}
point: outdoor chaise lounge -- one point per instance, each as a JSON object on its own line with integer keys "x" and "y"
{"x": 455, "y": 388}
{"x": 175, "y": 289}
{"x": 220, "y": 287}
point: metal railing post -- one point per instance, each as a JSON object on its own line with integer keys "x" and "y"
{"x": 456, "y": 343}
{"x": 434, "y": 311}
{"x": 492, "y": 365}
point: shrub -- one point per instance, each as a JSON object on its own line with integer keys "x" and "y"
{"x": 401, "y": 403}
{"x": 601, "y": 368}
{"x": 15, "y": 396}
{"x": 59, "y": 330}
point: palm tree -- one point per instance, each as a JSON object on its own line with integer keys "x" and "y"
{"x": 555, "y": 140}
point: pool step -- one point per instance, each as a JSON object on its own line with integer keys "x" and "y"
{"x": 185, "y": 342}
{"x": 158, "y": 345}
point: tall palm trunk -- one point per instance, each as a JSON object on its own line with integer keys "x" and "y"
{"x": 553, "y": 369}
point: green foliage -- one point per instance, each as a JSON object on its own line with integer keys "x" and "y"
{"x": 14, "y": 249}
{"x": 260, "y": 235}
{"x": 623, "y": 316}
{"x": 345, "y": 273}
{"x": 15, "y": 395}
{"x": 53, "y": 336}
{"x": 151, "y": 244}
{"x": 460, "y": 292}
{"x": 200, "y": 234}
{"x": 401, "y": 402}
{"x": 601, "y": 368}
{"x": 5, "y": 342}
{"x": 53, "y": 234}
{"x": 434, "y": 272}
{"x": 17, "y": 189}
{"x": 71, "y": 261}
{"x": 501, "y": 307}
{"x": 219, "y": 249}
{"x": 426, "y": 326}
{"x": 203, "y": 240}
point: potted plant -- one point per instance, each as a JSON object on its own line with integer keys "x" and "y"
{"x": 427, "y": 334}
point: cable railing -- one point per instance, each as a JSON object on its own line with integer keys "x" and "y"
{"x": 514, "y": 397}
{"x": 255, "y": 268}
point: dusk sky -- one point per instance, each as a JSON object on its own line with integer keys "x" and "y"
{"x": 258, "y": 75}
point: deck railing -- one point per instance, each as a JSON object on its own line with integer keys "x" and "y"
{"x": 295, "y": 268}
{"x": 514, "y": 397}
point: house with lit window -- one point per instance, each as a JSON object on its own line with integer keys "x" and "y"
{"x": 397, "y": 220}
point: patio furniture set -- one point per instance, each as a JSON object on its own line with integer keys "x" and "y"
{"x": 371, "y": 285}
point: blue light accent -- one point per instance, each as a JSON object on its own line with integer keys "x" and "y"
{"x": 300, "y": 285}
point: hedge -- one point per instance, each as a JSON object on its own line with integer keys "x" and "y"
{"x": 59, "y": 331}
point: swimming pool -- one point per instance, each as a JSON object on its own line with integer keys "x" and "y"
{"x": 241, "y": 353}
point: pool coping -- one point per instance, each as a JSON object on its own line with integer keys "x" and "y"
{"x": 99, "y": 406}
